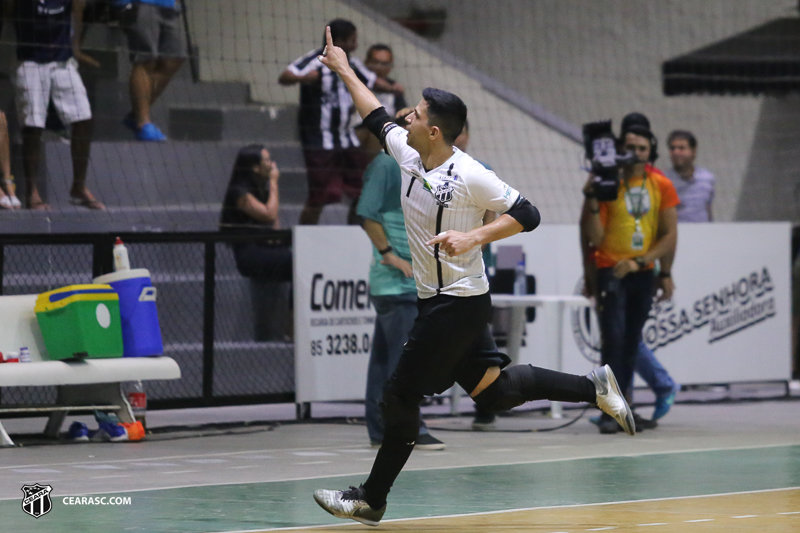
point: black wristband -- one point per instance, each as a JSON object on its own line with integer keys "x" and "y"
{"x": 640, "y": 262}
{"x": 386, "y": 250}
{"x": 664, "y": 274}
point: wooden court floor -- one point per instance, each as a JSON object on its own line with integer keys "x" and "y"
{"x": 762, "y": 512}
{"x": 755, "y": 489}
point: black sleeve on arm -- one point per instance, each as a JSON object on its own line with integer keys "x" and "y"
{"x": 375, "y": 121}
{"x": 525, "y": 213}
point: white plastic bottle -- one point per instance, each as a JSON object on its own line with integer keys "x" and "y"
{"x": 121, "y": 261}
{"x": 24, "y": 355}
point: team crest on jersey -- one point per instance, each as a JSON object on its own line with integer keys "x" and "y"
{"x": 444, "y": 193}
{"x": 36, "y": 501}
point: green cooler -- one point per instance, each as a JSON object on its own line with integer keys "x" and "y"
{"x": 80, "y": 321}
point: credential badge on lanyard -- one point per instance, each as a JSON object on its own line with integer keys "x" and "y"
{"x": 637, "y": 201}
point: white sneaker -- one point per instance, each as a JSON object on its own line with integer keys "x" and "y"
{"x": 349, "y": 504}
{"x": 610, "y": 399}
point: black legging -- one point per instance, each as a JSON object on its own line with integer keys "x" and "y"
{"x": 263, "y": 262}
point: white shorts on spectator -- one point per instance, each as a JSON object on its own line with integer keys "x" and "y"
{"x": 38, "y": 82}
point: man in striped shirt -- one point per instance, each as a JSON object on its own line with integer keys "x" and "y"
{"x": 445, "y": 194}
{"x": 334, "y": 162}
{"x": 695, "y": 185}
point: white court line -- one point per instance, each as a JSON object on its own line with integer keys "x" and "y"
{"x": 486, "y": 513}
{"x": 700, "y": 520}
{"x": 602, "y": 528}
{"x": 746, "y": 516}
{"x": 792, "y": 512}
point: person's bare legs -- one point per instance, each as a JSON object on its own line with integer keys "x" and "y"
{"x": 31, "y": 150}
{"x": 5, "y": 158}
{"x": 148, "y": 80}
{"x": 80, "y": 149}
{"x": 5, "y": 150}
{"x": 141, "y": 91}
{"x": 166, "y": 67}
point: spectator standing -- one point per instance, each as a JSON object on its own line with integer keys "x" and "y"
{"x": 695, "y": 185}
{"x": 393, "y": 291}
{"x": 629, "y": 234}
{"x": 157, "y": 46}
{"x": 380, "y": 60}
{"x": 49, "y": 50}
{"x": 334, "y": 161}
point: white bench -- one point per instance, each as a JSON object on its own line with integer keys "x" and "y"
{"x": 82, "y": 385}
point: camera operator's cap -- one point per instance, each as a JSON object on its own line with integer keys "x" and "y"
{"x": 634, "y": 119}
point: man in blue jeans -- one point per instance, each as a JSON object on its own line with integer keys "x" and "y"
{"x": 392, "y": 288}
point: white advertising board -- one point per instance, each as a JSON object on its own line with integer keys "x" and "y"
{"x": 333, "y": 318}
{"x": 729, "y": 320}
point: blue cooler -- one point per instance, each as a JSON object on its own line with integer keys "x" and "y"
{"x": 141, "y": 334}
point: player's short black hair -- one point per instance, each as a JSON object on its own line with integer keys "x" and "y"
{"x": 379, "y": 47}
{"x": 341, "y": 29}
{"x": 686, "y": 135}
{"x": 445, "y": 111}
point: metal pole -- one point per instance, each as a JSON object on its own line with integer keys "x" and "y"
{"x": 209, "y": 289}
{"x": 194, "y": 65}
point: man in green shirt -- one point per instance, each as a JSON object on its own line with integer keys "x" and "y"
{"x": 392, "y": 288}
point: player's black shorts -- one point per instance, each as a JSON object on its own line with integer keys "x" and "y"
{"x": 450, "y": 342}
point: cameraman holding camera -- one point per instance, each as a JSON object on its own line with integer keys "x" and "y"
{"x": 629, "y": 216}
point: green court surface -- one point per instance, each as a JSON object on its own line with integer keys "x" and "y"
{"x": 426, "y": 493}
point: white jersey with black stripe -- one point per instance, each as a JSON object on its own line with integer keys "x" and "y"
{"x": 452, "y": 196}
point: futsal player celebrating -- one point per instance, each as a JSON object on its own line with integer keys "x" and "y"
{"x": 444, "y": 196}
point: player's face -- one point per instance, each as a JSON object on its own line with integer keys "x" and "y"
{"x": 638, "y": 145}
{"x": 418, "y": 129}
{"x": 681, "y": 154}
{"x": 380, "y": 62}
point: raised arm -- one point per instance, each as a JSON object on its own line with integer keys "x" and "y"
{"x": 335, "y": 59}
{"x": 253, "y": 207}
